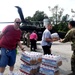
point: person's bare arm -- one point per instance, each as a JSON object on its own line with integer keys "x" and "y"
{"x": 48, "y": 39}
{"x": 20, "y": 45}
{"x": 1, "y": 35}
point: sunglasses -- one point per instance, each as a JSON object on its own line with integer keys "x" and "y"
{"x": 18, "y": 22}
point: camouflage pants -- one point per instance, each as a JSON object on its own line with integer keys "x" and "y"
{"x": 24, "y": 41}
{"x": 73, "y": 62}
{"x": 28, "y": 42}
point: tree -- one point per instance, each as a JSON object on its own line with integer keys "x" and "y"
{"x": 56, "y": 14}
{"x": 65, "y": 18}
{"x": 39, "y": 16}
{"x": 28, "y": 18}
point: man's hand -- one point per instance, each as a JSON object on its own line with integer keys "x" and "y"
{"x": 60, "y": 40}
{"x": 23, "y": 49}
{"x": 55, "y": 39}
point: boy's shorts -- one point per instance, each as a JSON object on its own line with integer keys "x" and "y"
{"x": 7, "y": 57}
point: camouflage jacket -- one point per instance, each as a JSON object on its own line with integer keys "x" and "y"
{"x": 70, "y": 37}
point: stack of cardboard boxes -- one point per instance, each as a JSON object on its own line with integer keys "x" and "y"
{"x": 50, "y": 65}
{"x": 35, "y": 63}
{"x": 31, "y": 63}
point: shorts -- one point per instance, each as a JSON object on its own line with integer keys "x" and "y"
{"x": 7, "y": 57}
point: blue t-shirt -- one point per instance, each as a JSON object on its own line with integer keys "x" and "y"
{"x": 46, "y": 34}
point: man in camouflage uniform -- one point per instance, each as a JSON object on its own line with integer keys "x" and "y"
{"x": 70, "y": 36}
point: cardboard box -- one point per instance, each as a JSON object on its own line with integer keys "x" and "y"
{"x": 52, "y": 63}
{"x": 59, "y": 63}
{"x": 46, "y": 70}
{"x": 30, "y": 70}
{"x": 28, "y": 60}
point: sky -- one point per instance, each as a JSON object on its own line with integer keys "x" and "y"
{"x": 8, "y": 12}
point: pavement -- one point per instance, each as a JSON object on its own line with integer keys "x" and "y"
{"x": 62, "y": 49}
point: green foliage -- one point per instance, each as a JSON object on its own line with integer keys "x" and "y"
{"x": 59, "y": 21}
{"x": 38, "y": 16}
{"x": 61, "y": 27}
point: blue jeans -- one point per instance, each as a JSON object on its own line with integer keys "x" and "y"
{"x": 7, "y": 57}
